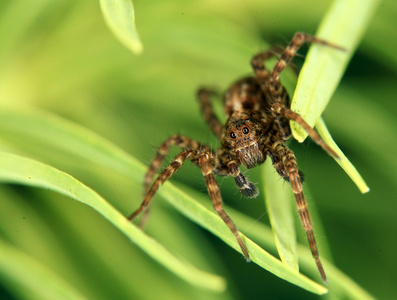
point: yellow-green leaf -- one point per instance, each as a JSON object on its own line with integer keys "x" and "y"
{"x": 120, "y": 17}
{"x": 343, "y": 161}
{"x": 39, "y": 281}
{"x": 18, "y": 169}
{"x": 343, "y": 25}
{"x": 279, "y": 204}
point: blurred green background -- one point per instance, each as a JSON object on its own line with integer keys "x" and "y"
{"x": 59, "y": 58}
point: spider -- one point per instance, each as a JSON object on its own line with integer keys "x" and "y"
{"x": 258, "y": 115}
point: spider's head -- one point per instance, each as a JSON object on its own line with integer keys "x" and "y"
{"x": 242, "y": 136}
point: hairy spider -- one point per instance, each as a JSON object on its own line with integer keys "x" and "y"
{"x": 258, "y": 114}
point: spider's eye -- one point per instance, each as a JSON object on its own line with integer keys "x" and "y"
{"x": 233, "y": 135}
{"x": 246, "y": 130}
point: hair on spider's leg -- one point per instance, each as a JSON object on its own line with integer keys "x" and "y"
{"x": 291, "y": 50}
{"x": 204, "y": 97}
{"x": 178, "y": 140}
{"x": 301, "y": 175}
{"x": 164, "y": 176}
{"x": 215, "y": 195}
{"x": 296, "y": 186}
{"x": 289, "y": 114}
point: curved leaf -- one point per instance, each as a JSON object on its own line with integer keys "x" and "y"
{"x": 344, "y": 26}
{"x": 279, "y": 203}
{"x": 17, "y": 169}
{"x": 346, "y": 165}
{"x": 120, "y": 17}
{"x": 39, "y": 281}
{"x": 77, "y": 139}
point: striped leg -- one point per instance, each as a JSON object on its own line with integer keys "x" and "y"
{"x": 208, "y": 111}
{"x": 289, "y": 52}
{"x": 215, "y": 195}
{"x": 164, "y": 176}
{"x": 273, "y": 89}
{"x": 269, "y": 82}
{"x": 289, "y": 167}
{"x": 175, "y": 140}
{"x": 289, "y": 114}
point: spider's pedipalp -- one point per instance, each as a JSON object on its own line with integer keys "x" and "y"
{"x": 247, "y": 188}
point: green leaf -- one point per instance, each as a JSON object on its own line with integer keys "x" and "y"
{"x": 80, "y": 140}
{"x": 21, "y": 170}
{"x": 343, "y": 25}
{"x": 279, "y": 203}
{"x": 39, "y": 282}
{"x": 120, "y": 17}
{"x": 208, "y": 219}
{"x": 346, "y": 165}
{"x": 340, "y": 284}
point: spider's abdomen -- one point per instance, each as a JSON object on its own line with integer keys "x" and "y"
{"x": 245, "y": 94}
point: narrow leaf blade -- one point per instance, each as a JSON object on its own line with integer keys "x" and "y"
{"x": 346, "y": 165}
{"x": 279, "y": 203}
{"x": 120, "y": 17}
{"x": 40, "y": 282}
{"x": 344, "y": 26}
{"x": 18, "y": 169}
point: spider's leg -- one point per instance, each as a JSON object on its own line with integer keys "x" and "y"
{"x": 175, "y": 140}
{"x": 296, "y": 42}
{"x": 215, "y": 195}
{"x": 164, "y": 176}
{"x": 269, "y": 81}
{"x": 288, "y": 166}
{"x": 289, "y": 114}
{"x": 272, "y": 89}
{"x": 204, "y": 96}
{"x": 257, "y": 63}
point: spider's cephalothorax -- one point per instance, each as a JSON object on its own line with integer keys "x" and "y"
{"x": 258, "y": 114}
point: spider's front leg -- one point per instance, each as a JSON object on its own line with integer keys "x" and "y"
{"x": 215, "y": 195}
{"x": 286, "y": 166}
{"x": 290, "y": 115}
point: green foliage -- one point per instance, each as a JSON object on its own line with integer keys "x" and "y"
{"x": 80, "y": 112}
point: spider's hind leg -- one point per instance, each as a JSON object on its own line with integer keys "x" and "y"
{"x": 290, "y": 52}
{"x": 204, "y": 97}
{"x": 289, "y": 114}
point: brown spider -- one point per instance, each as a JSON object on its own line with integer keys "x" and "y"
{"x": 258, "y": 115}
